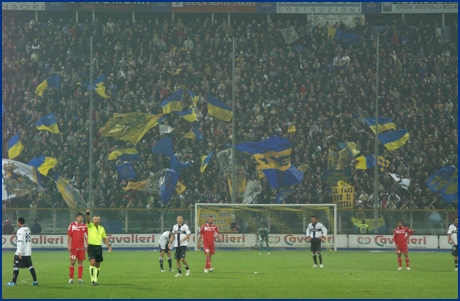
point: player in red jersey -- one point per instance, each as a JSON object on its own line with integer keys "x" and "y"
{"x": 207, "y": 234}
{"x": 77, "y": 240}
{"x": 400, "y": 237}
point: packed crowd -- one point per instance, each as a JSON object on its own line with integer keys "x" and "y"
{"x": 325, "y": 87}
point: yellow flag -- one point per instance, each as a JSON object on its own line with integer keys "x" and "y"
{"x": 180, "y": 187}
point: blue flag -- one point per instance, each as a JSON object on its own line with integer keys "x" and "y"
{"x": 163, "y": 147}
{"x": 126, "y": 171}
{"x": 283, "y": 194}
{"x": 168, "y": 185}
{"x": 445, "y": 181}
{"x": 178, "y": 166}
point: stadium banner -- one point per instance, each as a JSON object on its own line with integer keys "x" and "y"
{"x": 443, "y": 244}
{"x": 161, "y": 7}
{"x": 222, "y": 218}
{"x": 348, "y": 20}
{"x": 419, "y": 7}
{"x": 108, "y": 6}
{"x": 383, "y": 242}
{"x": 23, "y": 5}
{"x": 45, "y": 241}
{"x": 318, "y": 7}
{"x": 55, "y": 5}
{"x": 266, "y": 7}
{"x": 371, "y": 7}
{"x": 214, "y": 7}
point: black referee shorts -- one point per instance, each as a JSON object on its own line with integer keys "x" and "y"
{"x": 180, "y": 252}
{"x": 455, "y": 250}
{"x": 315, "y": 245}
{"x": 25, "y": 262}
{"x": 95, "y": 252}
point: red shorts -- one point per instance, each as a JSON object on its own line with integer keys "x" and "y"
{"x": 401, "y": 248}
{"x": 77, "y": 254}
{"x": 208, "y": 247}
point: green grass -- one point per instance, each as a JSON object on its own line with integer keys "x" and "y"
{"x": 282, "y": 274}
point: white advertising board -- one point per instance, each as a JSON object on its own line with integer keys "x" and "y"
{"x": 318, "y": 7}
{"x": 23, "y": 5}
{"x": 384, "y": 242}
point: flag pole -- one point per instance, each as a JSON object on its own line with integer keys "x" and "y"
{"x": 233, "y": 121}
{"x": 90, "y": 186}
{"x": 376, "y": 142}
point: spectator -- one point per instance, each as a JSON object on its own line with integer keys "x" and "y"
{"x": 7, "y": 228}
{"x": 36, "y": 227}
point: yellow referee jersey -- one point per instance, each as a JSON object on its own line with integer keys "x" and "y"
{"x": 95, "y": 234}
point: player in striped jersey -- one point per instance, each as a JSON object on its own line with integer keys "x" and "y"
{"x": 180, "y": 235}
{"x": 163, "y": 245}
{"x": 452, "y": 235}
{"x": 77, "y": 240}
{"x": 316, "y": 233}
{"x": 23, "y": 254}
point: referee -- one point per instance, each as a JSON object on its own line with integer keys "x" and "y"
{"x": 316, "y": 233}
{"x": 96, "y": 233}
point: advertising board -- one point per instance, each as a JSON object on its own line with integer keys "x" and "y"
{"x": 419, "y": 7}
{"x": 318, "y": 7}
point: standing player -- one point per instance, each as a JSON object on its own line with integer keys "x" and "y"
{"x": 96, "y": 233}
{"x": 452, "y": 235}
{"x": 23, "y": 255}
{"x": 262, "y": 235}
{"x": 180, "y": 235}
{"x": 400, "y": 237}
{"x": 77, "y": 240}
{"x": 163, "y": 241}
{"x": 207, "y": 234}
{"x": 316, "y": 233}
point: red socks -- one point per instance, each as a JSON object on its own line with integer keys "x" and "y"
{"x": 208, "y": 263}
{"x": 71, "y": 271}
{"x": 80, "y": 271}
{"x": 407, "y": 261}
{"x": 399, "y": 261}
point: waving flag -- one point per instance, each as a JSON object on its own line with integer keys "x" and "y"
{"x": 218, "y": 109}
{"x": 194, "y": 98}
{"x": 70, "y": 195}
{"x": 165, "y": 129}
{"x": 47, "y": 123}
{"x": 163, "y": 147}
{"x": 188, "y": 115}
{"x": 126, "y": 171}
{"x": 15, "y": 147}
{"x": 18, "y": 179}
{"x": 178, "y": 166}
{"x": 283, "y": 194}
{"x": 383, "y": 163}
{"x": 168, "y": 185}
{"x": 130, "y": 126}
{"x": 385, "y": 124}
{"x": 98, "y": 86}
{"x": 194, "y": 134}
{"x": 125, "y": 154}
{"x": 205, "y": 161}
{"x": 240, "y": 185}
{"x": 352, "y": 150}
{"x": 394, "y": 139}
{"x": 52, "y": 82}
{"x": 180, "y": 187}
{"x": 43, "y": 164}
{"x": 445, "y": 181}
{"x": 253, "y": 189}
{"x": 365, "y": 162}
{"x": 273, "y": 158}
{"x": 173, "y": 102}
{"x": 403, "y": 182}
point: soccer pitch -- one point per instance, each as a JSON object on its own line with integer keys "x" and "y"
{"x": 281, "y": 274}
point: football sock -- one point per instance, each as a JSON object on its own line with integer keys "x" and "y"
{"x": 32, "y": 272}
{"x": 456, "y": 263}
{"x": 161, "y": 263}
{"x": 97, "y": 274}
{"x": 179, "y": 270}
{"x": 15, "y": 274}
{"x": 399, "y": 262}
{"x": 71, "y": 271}
{"x": 80, "y": 271}
{"x": 407, "y": 261}
{"x": 170, "y": 262}
{"x": 314, "y": 258}
{"x": 186, "y": 267}
{"x": 267, "y": 247}
{"x": 91, "y": 272}
{"x": 260, "y": 248}
{"x": 320, "y": 259}
{"x": 208, "y": 263}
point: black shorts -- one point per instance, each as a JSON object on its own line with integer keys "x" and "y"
{"x": 455, "y": 250}
{"x": 180, "y": 252}
{"x": 315, "y": 244}
{"x": 166, "y": 249}
{"x": 95, "y": 252}
{"x": 25, "y": 262}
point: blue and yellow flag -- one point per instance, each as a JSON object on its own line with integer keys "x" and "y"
{"x": 126, "y": 171}
{"x": 331, "y": 32}
{"x": 163, "y": 147}
{"x": 370, "y": 222}
{"x": 130, "y": 126}
{"x": 52, "y": 82}
{"x": 365, "y": 162}
{"x": 383, "y": 163}
{"x": 168, "y": 185}
{"x": 43, "y": 164}
{"x": 352, "y": 150}
{"x": 394, "y": 139}
{"x": 47, "y": 123}
{"x": 177, "y": 165}
{"x": 173, "y": 102}
{"x": 98, "y": 86}
{"x": 445, "y": 181}
{"x": 180, "y": 187}
{"x": 194, "y": 134}
{"x": 218, "y": 109}
{"x": 15, "y": 147}
{"x": 139, "y": 186}
{"x": 385, "y": 124}
{"x": 283, "y": 194}
{"x": 70, "y": 195}
{"x": 273, "y": 158}
{"x": 188, "y": 115}
{"x": 194, "y": 98}
{"x": 125, "y": 154}
{"x": 205, "y": 161}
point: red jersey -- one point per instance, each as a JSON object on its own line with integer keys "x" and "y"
{"x": 400, "y": 235}
{"x": 77, "y": 232}
{"x": 208, "y": 232}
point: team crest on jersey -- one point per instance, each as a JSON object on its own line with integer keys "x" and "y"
{"x": 16, "y": 183}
